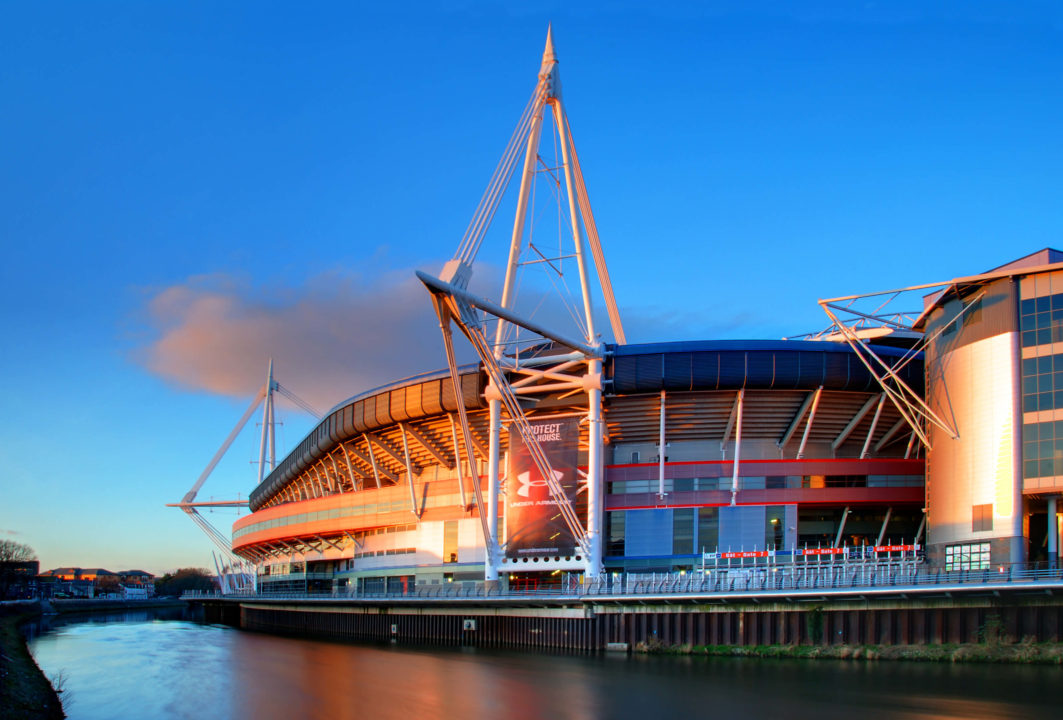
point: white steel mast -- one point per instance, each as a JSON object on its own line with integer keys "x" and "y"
{"x": 579, "y": 369}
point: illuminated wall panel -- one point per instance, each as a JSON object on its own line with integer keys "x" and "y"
{"x": 972, "y": 377}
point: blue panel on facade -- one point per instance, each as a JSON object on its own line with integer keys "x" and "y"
{"x": 648, "y": 532}
{"x": 742, "y": 528}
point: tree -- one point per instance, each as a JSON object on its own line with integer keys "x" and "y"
{"x": 185, "y": 579}
{"x": 16, "y": 552}
{"x": 15, "y": 568}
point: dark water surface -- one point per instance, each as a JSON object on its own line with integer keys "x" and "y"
{"x": 138, "y": 665}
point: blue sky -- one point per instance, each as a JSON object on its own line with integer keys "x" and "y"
{"x": 189, "y": 188}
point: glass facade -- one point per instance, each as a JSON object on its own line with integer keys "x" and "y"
{"x": 1041, "y": 320}
{"x": 761, "y": 482}
{"x": 1042, "y": 449}
{"x": 1042, "y": 383}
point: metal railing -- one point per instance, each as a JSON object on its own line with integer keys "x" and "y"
{"x": 777, "y": 580}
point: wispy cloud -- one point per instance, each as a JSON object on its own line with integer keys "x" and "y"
{"x": 335, "y": 336}
{"x": 340, "y": 334}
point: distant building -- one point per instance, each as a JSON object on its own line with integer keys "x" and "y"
{"x": 95, "y": 582}
{"x": 18, "y": 579}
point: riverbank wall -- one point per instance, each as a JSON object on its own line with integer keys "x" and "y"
{"x": 594, "y": 624}
{"x": 25, "y": 692}
{"x": 105, "y": 605}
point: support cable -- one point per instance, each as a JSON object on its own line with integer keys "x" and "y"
{"x": 509, "y": 399}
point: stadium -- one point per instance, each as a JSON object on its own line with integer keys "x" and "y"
{"x": 817, "y": 460}
{"x": 929, "y": 436}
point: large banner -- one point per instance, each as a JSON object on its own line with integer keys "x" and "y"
{"x": 534, "y": 526}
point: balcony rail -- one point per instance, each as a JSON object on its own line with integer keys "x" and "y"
{"x": 765, "y": 580}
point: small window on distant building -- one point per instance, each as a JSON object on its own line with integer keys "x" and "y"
{"x": 982, "y": 518}
{"x": 636, "y": 457}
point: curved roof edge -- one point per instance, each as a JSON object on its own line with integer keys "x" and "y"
{"x": 408, "y": 399}
{"x": 753, "y": 364}
{"x": 744, "y": 345}
{"x": 637, "y": 368}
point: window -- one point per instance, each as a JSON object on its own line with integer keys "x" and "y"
{"x": 636, "y": 457}
{"x": 1042, "y": 449}
{"x": 981, "y": 518}
{"x": 683, "y": 531}
{"x": 774, "y": 520}
{"x": 450, "y": 541}
{"x": 1041, "y": 320}
{"x": 974, "y": 556}
{"x": 616, "y": 522}
{"x": 708, "y": 528}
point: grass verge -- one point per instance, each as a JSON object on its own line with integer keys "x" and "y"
{"x": 1028, "y": 653}
{"x": 25, "y": 693}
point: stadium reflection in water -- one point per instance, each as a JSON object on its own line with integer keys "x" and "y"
{"x": 179, "y": 669}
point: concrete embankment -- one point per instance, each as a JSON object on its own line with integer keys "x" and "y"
{"x": 105, "y": 605}
{"x": 25, "y": 693}
{"x": 814, "y": 627}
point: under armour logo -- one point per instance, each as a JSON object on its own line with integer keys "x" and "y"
{"x": 526, "y": 483}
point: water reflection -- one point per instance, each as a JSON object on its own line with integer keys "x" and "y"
{"x": 151, "y": 668}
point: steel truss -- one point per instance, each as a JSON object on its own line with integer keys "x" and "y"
{"x": 237, "y": 565}
{"x": 515, "y": 380}
{"x": 858, "y": 328}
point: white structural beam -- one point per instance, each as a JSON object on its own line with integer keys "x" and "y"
{"x": 458, "y": 467}
{"x": 662, "y": 443}
{"x": 739, "y": 403}
{"x": 191, "y": 494}
{"x": 370, "y": 460}
{"x": 388, "y": 450}
{"x": 580, "y": 371}
{"x": 466, "y": 299}
{"x": 874, "y": 426}
{"x": 841, "y": 527}
{"x": 409, "y": 470}
{"x": 851, "y": 425}
{"x": 798, "y": 417}
{"x": 912, "y": 407}
{"x": 885, "y": 524}
{"x": 595, "y": 243}
{"x": 494, "y": 483}
{"x": 428, "y": 445}
{"x": 726, "y": 438}
{"x": 808, "y": 425}
{"x": 450, "y": 310}
{"x": 889, "y": 434}
{"x": 267, "y": 408}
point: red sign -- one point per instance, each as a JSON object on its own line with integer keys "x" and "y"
{"x": 895, "y": 548}
{"x": 822, "y": 551}
{"x": 748, "y": 554}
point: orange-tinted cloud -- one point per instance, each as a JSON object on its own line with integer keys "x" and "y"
{"x": 333, "y": 338}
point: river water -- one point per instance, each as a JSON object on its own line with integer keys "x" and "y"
{"x": 156, "y": 666}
